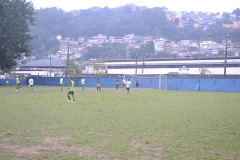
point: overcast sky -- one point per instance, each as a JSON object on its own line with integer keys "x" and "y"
{"x": 174, "y": 5}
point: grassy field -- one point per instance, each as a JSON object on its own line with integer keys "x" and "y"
{"x": 146, "y": 124}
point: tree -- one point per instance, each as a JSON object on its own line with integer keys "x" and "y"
{"x": 176, "y": 22}
{"x": 15, "y": 18}
{"x": 140, "y": 53}
{"x": 73, "y": 70}
{"x": 237, "y": 12}
{"x": 191, "y": 48}
{"x": 163, "y": 54}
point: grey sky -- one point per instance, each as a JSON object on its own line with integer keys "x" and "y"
{"x": 175, "y": 5}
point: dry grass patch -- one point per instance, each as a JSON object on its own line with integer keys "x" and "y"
{"x": 150, "y": 152}
{"x": 50, "y": 144}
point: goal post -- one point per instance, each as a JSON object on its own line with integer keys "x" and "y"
{"x": 163, "y": 82}
{"x": 148, "y": 81}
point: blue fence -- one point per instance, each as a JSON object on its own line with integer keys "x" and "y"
{"x": 205, "y": 84}
{"x": 184, "y": 84}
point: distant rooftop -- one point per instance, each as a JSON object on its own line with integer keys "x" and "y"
{"x": 44, "y": 63}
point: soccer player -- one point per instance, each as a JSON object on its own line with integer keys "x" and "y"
{"x": 123, "y": 83}
{"x": 137, "y": 83}
{"x": 61, "y": 82}
{"x": 18, "y": 83}
{"x": 117, "y": 83}
{"x": 98, "y": 85}
{"x": 71, "y": 91}
{"x": 31, "y": 81}
{"x": 82, "y": 82}
{"x": 7, "y": 82}
{"x": 128, "y": 86}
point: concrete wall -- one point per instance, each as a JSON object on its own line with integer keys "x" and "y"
{"x": 185, "y": 84}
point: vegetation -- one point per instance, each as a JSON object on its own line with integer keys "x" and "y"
{"x": 15, "y": 18}
{"x": 116, "y": 22}
{"x": 146, "y": 124}
{"x": 111, "y": 51}
{"x": 73, "y": 69}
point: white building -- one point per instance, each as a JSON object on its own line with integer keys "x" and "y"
{"x": 128, "y": 37}
{"x": 175, "y": 48}
{"x": 184, "y": 42}
{"x": 159, "y": 44}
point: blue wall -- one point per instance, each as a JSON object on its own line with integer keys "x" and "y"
{"x": 185, "y": 84}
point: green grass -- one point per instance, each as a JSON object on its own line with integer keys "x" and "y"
{"x": 146, "y": 124}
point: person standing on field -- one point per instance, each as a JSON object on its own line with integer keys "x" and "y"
{"x": 137, "y": 83}
{"x": 61, "y": 83}
{"x": 31, "y": 81}
{"x": 18, "y": 83}
{"x": 123, "y": 83}
{"x": 117, "y": 83}
{"x": 98, "y": 85}
{"x": 128, "y": 86}
{"x": 71, "y": 91}
{"x": 7, "y": 82}
{"x": 82, "y": 82}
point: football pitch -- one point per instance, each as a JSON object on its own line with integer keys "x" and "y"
{"x": 111, "y": 124}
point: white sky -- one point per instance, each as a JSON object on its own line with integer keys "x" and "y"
{"x": 174, "y": 5}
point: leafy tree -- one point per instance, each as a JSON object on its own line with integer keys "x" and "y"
{"x": 50, "y": 22}
{"x": 93, "y": 52}
{"x": 164, "y": 55}
{"x": 176, "y": 22}
{"x": 203, "y": 71}
{"x": 191, "y": 48}
{"x": 196, "y": 56}
{"x": 225, "y": 15}
{"x": 73, "y": 70}
{"x": 234, "y": 35}
{"x": 140, "y": 53}
{"x": 237, "y": 12}
{"x": 15, "y": 37}
{"x": 107, "y": 51}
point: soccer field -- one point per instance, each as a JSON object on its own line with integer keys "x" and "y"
{"x": 111, "y": 124}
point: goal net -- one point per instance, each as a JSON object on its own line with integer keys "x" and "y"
{"x": 146, "y": 81}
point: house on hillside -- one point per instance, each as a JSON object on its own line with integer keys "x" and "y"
{"x": 158, "y": 44}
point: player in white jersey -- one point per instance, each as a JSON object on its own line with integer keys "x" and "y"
{"x": 31, "y": 81}
{"x": 82, "y": 82}
{"x": 61, "y": 83}
{"x": 128, "y": 85}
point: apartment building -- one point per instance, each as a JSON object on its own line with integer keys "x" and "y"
{"x": 205, "y": 45}
{"x": 174, "y": 49}
{"x": 99, "y": 39}
{"x": 184, "y": 42}
{"x": 128, "y": 37}
{"x": 147, "y": 39}
{"x": 167, "y": 46}
{"x": 158, "y": 45}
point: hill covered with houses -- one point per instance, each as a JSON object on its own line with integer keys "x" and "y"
{"x": 129, "y": 31}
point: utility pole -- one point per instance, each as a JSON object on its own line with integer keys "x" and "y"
{"x": 143, "y": 62}
{"x": 68, "y": 54}
{"x": 225, "y": 62}
{"x": 50, "y": 65}
{"x": 136, "y": 64}
{"x": 127, "y": 51}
